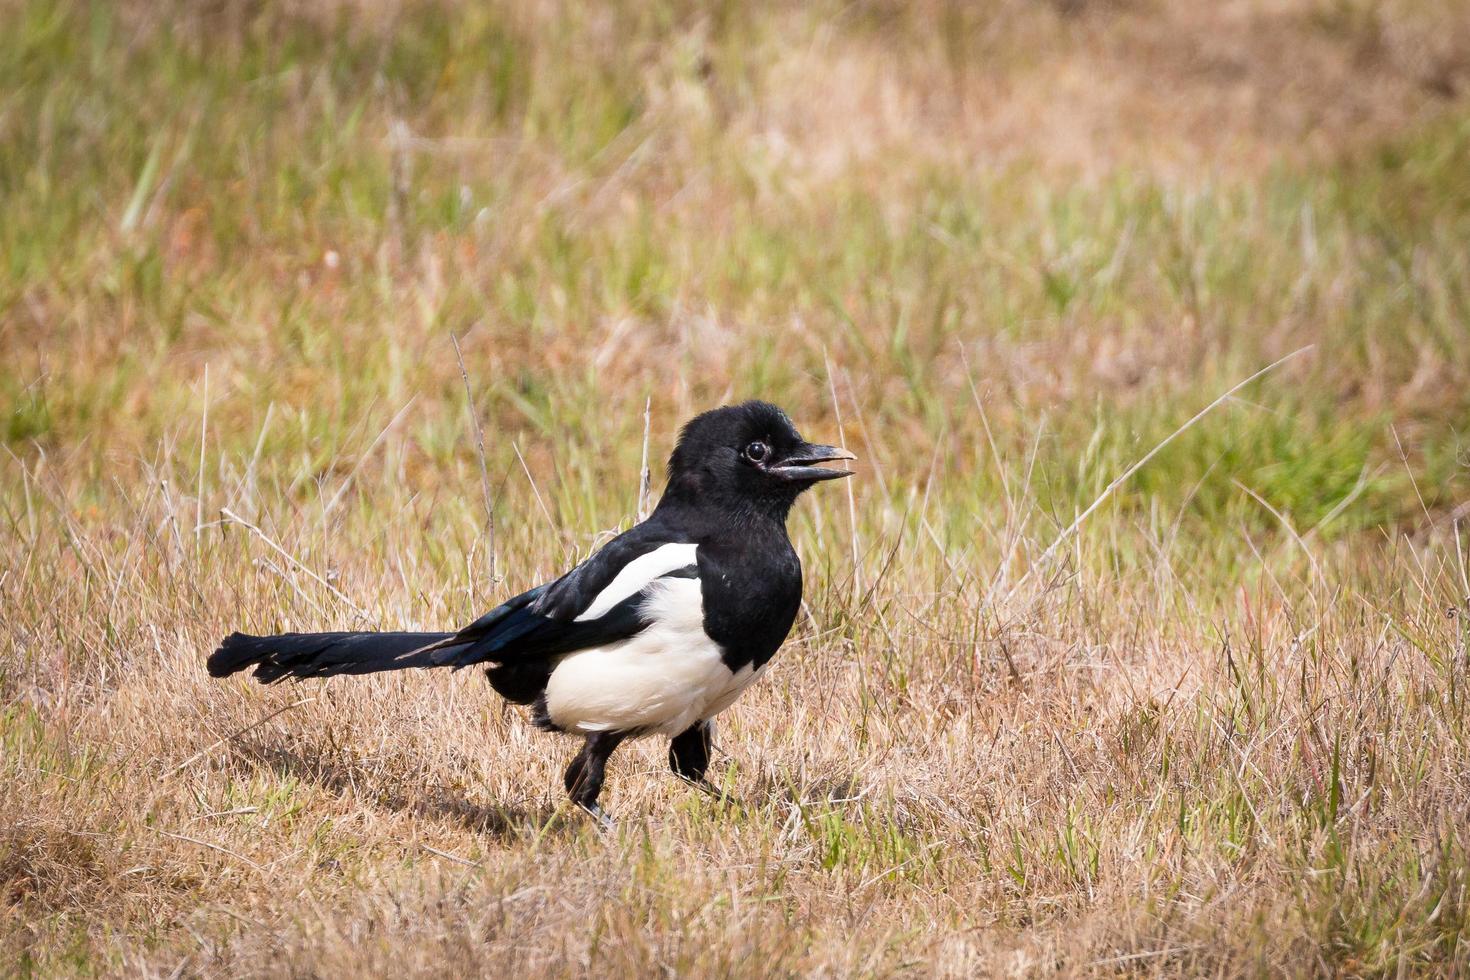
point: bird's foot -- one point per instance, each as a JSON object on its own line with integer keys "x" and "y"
{"x": 605, "y": 823}
{"x": 712, "y": 791}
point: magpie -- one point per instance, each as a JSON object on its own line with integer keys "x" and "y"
{"x": 655, "y": 634}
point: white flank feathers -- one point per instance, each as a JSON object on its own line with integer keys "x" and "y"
{"x": 659, "y": 682}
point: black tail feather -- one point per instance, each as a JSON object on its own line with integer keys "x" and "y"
{"x": 322, "y": 654}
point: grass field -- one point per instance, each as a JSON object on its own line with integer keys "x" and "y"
{"x": 1001, "y": 250}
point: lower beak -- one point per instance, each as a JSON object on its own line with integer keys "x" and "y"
{"x": 799, "y": 465}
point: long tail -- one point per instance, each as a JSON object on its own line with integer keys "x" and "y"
{"x": 324, "y": 654}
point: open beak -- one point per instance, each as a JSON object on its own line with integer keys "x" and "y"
{"x": 799, "y": 466}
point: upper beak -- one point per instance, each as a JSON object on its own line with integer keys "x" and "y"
{"x": 798, "y": 466}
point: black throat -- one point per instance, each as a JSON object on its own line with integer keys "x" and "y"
{"x": 749, "y": 573}
{"x": 701, "y": 492}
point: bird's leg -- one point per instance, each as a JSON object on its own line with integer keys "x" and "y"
{"x": 585, "y": 774}
{"x": 689, "y": 753}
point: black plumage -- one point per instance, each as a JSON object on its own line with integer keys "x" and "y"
{"x": 655, "y": 633}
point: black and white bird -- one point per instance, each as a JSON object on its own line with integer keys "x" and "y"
{"x": 655, "y": 634}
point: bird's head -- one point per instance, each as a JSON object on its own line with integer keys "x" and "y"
{"x": 749, "y": 456}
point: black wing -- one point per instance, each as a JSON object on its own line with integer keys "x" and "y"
{"x": 544, "y": 623}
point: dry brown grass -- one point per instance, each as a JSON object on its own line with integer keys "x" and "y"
{"x": 1135, "y": 788}
{"x": 1010, "y": 246}
{"x": 1133, "y": 792}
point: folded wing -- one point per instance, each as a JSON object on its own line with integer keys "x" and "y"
{"x": 599, "y": 602}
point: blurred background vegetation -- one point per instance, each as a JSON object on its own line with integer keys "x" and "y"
{"x": 1108, "y": 210}
{"x": 1002, "y": 249}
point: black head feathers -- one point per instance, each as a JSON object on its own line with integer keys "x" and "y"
{"x": 749, "y": 456}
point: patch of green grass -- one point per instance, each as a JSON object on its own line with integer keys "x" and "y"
{"x": 868, "y": 840}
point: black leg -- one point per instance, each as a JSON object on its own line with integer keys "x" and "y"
{"x": 689, "y": 751}
{"x": 585, "y": 774}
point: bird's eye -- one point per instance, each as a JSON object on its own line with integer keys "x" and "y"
{"x": 757, "y": 451}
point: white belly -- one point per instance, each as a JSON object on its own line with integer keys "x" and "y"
{"x": 659, "y": 682}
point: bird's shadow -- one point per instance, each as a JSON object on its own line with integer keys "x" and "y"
{"x": 503, "y": 822}
{"x": 500, "y": 822}
{"x": 830, "y": 789}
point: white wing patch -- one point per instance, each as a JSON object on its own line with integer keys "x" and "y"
{"x": 636, "y": 575}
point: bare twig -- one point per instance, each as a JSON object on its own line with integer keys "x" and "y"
{"x": 469, "y": 406}
{"x": 451, "y": 857}
{"x": 645, "y": 477}
{"x": 1000, "y": 469}
{"x": 1119, "y": 480}
{"x": 342, "y": 490}
{"x": 231, "y": 515}
{"x": 1344, "y": 503}
{"x": 857, "y": 577}
{"x": 212, "y": 847}
{"x": 247, "y": 482}
{"x": 1142, "y": 955}
{"x": 534, "y": 489}
{"x": 199, "y": 489}
{"x": 236, "y": 734}
{"x": 1286, "y": 526}
{"x": 1404, "y": 458}
{"x": 234, "y": 812}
